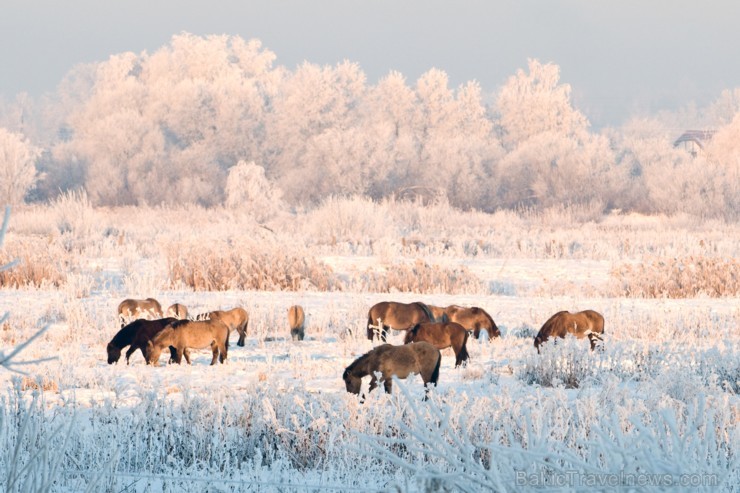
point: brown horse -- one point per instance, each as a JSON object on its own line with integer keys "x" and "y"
{"x": 235, "y": 319}
{"x": 397, "y": 316}
{"x": 587, "y": 323}
{"x": 130, "y": 309}
{"x": 136, "y": 334}
{"x": 442, "y": 335}
{"x": 184, "y": 334}
{"x": 472, "y": 318}
{"x": 399, "y": 361}
{"x": 178, "y": 310}
{"x": 296, "y": 320}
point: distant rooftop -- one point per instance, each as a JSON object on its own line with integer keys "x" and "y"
{"x": 698, "y": 137}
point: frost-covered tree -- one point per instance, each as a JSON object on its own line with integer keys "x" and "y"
{"x": 249, "y": 190}
{"x": 552, "y": 158}
{"x": 17, "y": 167}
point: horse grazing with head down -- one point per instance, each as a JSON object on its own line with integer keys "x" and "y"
{"x": 397, "y": 316}
{"x": 587, "y": 323}
{"x": 398, "y": 361}
{"x": 136, "y": 334}
{"x": 190, "y": 334}
{"x": 296, "y": 321}
{"x": 472, "y": 318}
{"x": 442, "y": 335}
{"x": 131, "y": 309}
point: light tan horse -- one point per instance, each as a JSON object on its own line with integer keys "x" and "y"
{"x": 296, "y": 321}
{"x": 587, "y": 323}
{"x": 189, "y": 334}
{"x": 235, "y": 319}
{"x": 399, "y": 361}
{"x": 178, "y": 311}
{"x": 132, "y": 309}
{"x": 472, "y": 318}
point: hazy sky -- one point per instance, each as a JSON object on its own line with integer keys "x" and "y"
{"x": 621, "y": 57}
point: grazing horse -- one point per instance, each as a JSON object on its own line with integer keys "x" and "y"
{"x": 130, "y": 309}
{"x": 442, "y": 335}
{"x": 587, "y": 323}
{"x": 296, "y": 320}
{"x": 178, "y": 310}
{"x": 185, "y": 334}
{"x": 397, "y": 316}
{"x": 136, "y": 334}
{"x": 399, "y": 361}
{"x": 472, "y": 318}
{"x": 235, "y": 319}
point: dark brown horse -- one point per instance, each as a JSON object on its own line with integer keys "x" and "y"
{"x": 397, "y": 316}
{"x": 136, "y": 334}
{"x": 442, "y": 335}
{"x": 185, "y": 334}
{"x": 130, "y": 309}
{"x": 587, "y": 323}
{"x": 398, "y": 361}
{"x": 472, "y": 318}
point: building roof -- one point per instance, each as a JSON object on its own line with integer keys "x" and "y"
{"x": 700, "y": 137}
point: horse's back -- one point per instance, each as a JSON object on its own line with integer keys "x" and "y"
{"x": 596, "y": 320}
{"x": 296, "y": 316}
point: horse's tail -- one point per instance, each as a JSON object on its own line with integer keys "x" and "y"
{"x": 463, "y": 355}
{"x": 435, "y": 373}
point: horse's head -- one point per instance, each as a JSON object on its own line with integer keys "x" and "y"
{"x": 152, "y": 353}
{"x": 114, "y": 353}
{"x": 352, "y": 382}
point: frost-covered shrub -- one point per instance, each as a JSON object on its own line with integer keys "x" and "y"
{"x": 41, "y": 263}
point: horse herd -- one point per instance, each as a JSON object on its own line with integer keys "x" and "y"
{"x": 146, "y": 327}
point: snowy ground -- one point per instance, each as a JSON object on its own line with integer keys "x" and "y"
{"x": 276, "y": 416}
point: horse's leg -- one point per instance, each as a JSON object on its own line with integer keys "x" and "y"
{"x": 373, "y": 384}
{"x": 214, "y": 350}
{"x": 186, "y": 353}
{"x": 388, "y": 384}
{"x": 131, "y": 350}
{"x": 224, "y": 352}
{"x": 173, "y": 356}
{"x": 242, "y": 336}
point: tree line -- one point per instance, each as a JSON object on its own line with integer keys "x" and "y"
{"x": 213, "y": 120}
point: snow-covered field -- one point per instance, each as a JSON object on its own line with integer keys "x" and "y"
{"x": 656, "y": 408}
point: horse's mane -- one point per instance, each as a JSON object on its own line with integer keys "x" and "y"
{"x": 427, "y": 311}
{"x": 554, "y": 322}
{"x": 489, "y": 317}
{"x": 178, "y": 323}
{"x": 124, "y": 336}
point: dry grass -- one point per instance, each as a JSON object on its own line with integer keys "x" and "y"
{"x": 221, "y": 266}
{"x": 39, "y": 383}
{"x": 41, "y": 263}
{"x": 424, "y": 278}
{"x": 685, "y": 277}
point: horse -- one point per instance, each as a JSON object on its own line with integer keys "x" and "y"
{"x": 185, "y": 334}
{"x": 136, "y": 334}
{"x": 396, "y": 316}
{"x": 296, "y": 320}
{"x": 587, "y": 323}
{"x": 131, "y": 309}
{"x": 400, "y": 361}
{"x": 178, "y": 310}
{"x": 235, "y": 319}
{"x": 442, "y": 335}
{"x": 472, "y": 318}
